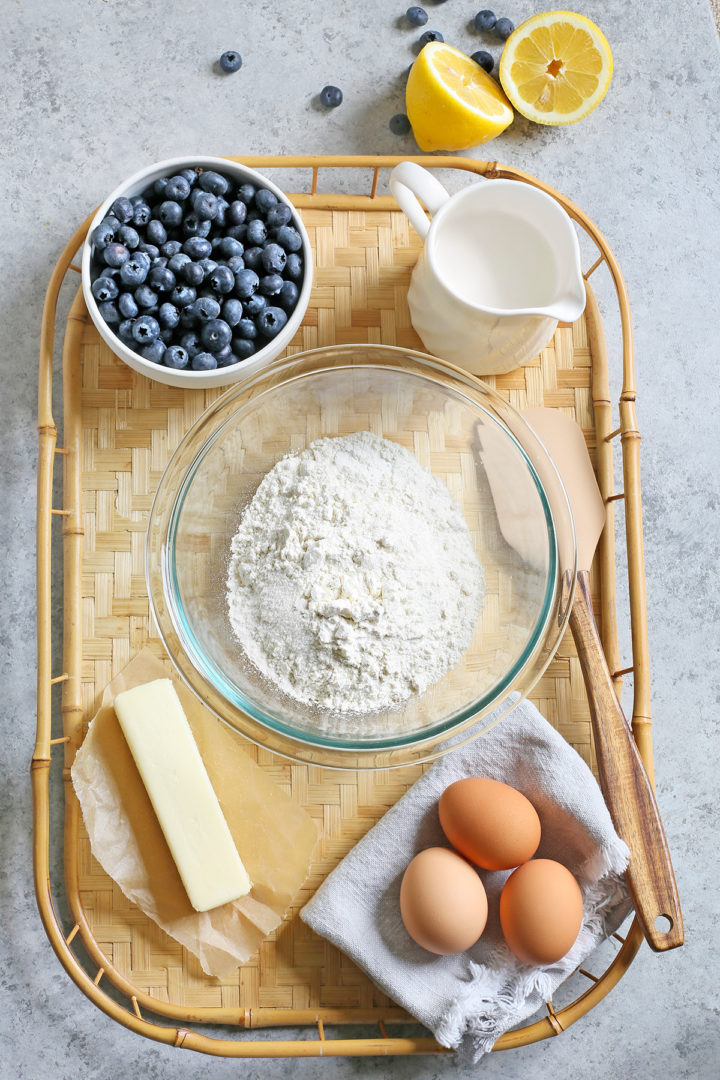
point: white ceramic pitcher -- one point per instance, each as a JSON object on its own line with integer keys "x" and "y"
{"x": 499, "y": 269}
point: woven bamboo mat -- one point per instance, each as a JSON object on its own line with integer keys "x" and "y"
{"x": 130, "y": 427}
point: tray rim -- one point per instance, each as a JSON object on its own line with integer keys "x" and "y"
{"x": 554, "y": 1022}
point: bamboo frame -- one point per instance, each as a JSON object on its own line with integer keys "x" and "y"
{"x": 131, "y": 1015}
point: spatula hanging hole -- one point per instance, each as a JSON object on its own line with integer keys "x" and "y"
{"x": 663, "y": 924}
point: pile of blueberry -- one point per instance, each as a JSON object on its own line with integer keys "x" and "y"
{"x": 197, "y": 272}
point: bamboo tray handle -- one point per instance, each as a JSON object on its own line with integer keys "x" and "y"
{"x": 628, "y": 791}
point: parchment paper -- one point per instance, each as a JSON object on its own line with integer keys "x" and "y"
{"x": 274, "y": 835}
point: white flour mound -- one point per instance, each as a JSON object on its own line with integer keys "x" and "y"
{"x": 353, "y": 581}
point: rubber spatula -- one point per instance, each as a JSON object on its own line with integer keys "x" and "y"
{"x": 623, "y": 779}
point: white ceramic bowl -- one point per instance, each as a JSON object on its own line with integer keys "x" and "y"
{"x": 134, "y": 185}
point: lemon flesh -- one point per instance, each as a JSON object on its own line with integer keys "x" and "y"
{"x": 451, "y": 102}
{"x": 556, "y": 67}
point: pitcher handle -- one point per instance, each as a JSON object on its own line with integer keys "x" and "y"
{"x": 408, "y": 184}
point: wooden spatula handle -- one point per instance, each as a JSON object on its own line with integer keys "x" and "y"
{"x": 625, "y": 785}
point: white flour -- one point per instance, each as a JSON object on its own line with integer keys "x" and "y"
{"x": 353, "y": 581}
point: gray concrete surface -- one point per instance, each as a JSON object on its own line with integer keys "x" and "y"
{"x": 92, "y": 91}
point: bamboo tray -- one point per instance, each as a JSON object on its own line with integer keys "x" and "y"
{"x": 118, "y": 432}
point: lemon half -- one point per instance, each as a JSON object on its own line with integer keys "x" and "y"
{"x": 451, "y": 102}
{"x": 556, "y": 67}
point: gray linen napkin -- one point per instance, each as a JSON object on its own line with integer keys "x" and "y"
{"x": 469, "y": 1000}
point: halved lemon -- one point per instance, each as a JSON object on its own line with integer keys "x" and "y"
{"x": 451, "y": 102}
{"x": 556, "y": 67}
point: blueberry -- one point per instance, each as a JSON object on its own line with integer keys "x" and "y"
{"x": 155, "y": 232}
{"x": 127, "y": 306}
{"x": 205, "y": 308}
{"x": 230, "y": 61}
{"x": 128, "y": 236}
{"x": 222, "y": 279}
{"x": 161, "y": 278}
{"x": 216, "y": 241}
{"x": 483, "y": 59}
{"x": 159, "y": 186}
{"x": 331, "y": 96}
{"x": 176, "y": 357}
{"x": 428, "y": 36}
{"x": 273, "y": 258}
{"x": 265, "y": 200}
{"x": 207, "y": 264}
{"x": 191, "y": 343}
{"x": 399, "y": 124}
{"x": 170, "y": 213}
{"x": 289, "y": 295}
{"x": 246, "y": 193}
{"x": 145, "y": 297}
{"x": 215, "y": 335}
{"x": 222, "y": 209}
{"x": 188, "y": 321}
{"x": 271, "y": 284}
{"x": 149, "y": 249}
{"x": 104, "y": 288}
{"x": 416, "y": 16}
{"x": 203, "y": 361}
{"x": 205, "y": 206}
{"x": 485, "y": 20}
{"x": 166, "y": 336}
{"x": 124, "y": 332}
{"x": 193, "y": 226}
{"x": 229, "y": 246}
{"x": 108, "y": 310}
{"x": 135, "y": 270}
{"x": 232, "y": 311}
{"x": 122, "y": 209}
{"x": 253, "y": 257}
{"x": 236, "y": 212}
{"x": 278, "y": 215}
{"x": 115, "y": 254}
{"x": 271, "y": 321}
{"x": 256, "y": 232}
{"x": 246, "y": 283}
{"x": 190, "y": 175}
{"x": 242, "y": 348}
{"x": 177, "y": 261}
{"x": 247, "y": 329}
{"x": 254, "y": 305}
{"x": 177, "y": 189}
{"x": 103, "y": 233}
{"x": 504, "y": 28}
{"x": 293, "y": 267}
{"x": 154, "y": 351}
{"x": 236, "y": 262}
{"x": 171, "y": 248}
{"x": 141, "y": 213}
{"x": 192, "y": 273}
{"x": 168, "y": 315}
{"x": 145, "y": 329}
{"x": 197, "y": 247}
{"x": 183, "y": 295}
{"x": 213, "y": 182}
{"x": 289, "y": 238}
{"x": 224, "y": 357}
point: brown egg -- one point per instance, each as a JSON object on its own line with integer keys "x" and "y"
{"x": 443, "y": 902}
{"x": 541, "y": 911}
{"x": 489, "y": 822}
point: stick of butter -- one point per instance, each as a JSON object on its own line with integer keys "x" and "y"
{"x": 168, "y": 760}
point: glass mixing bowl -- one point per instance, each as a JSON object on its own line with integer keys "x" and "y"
{"x": 459, "y": 429}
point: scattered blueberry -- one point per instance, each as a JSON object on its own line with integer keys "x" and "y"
{"x": 215, "y": 335}
{"x": 252, "y": 257}
{"x": 236, "y": 262}
{"x": 278, "y": 215}
{"x": 160, "y": 184}
{"x": 128, "y": 236}
{"x": 161, "y": 278}
{"x": 232, "y": 311}
{"x": 254, "y": 305}
{"x": 504, "y": 28}
{"x": 273, "y": 258}
{"x": 176, "y": 357}
{"x": 237, "y": 212}
{"x": 177, "y": 261}
{"x": 485, "y": 20}
{"x": 127, "y": 305}
{"x": 154, "y": 351}
{"x": 230, "y": 61}
{"x": 193, "y": 226}
{"x": 399, "y": 124}
{"x": 178, "y": 189}
{"x": 247, "y": 329}
{"x": 191, "y": 343}
{"x": 115, "y": 254}
{"x": 203, "y": 361}
{"x": 183, "y": 295}
{"x": 229, "y": 246}
{"x": 141, "y": 213}
{"x": 150, "y": 249}
{"x": 265, "y": 200}
{"x": 331, "y": 96}
{"x": 221, "y": 280}
{"x": 224, "y": 357}
{"x": 213, "y": 182}
{"x": 271, "y": 321}
{"x": 197, "y": 247}
{"x": 246, "y": 192}
{"x": 205, "y": 308}
{"x": 242, "y": 348}
{"x": 205, "y": 206}
{"x": 289, "y": 295}
{"x": 293, "y": 266}
{"x": 103, "y": 234}
{"x": 135, "y": 269}
{"x": 171, "y": 248}
{"x": 109, "y": 312}
{"x": 289, "y": 238}
{"x": 416, "y": 16}
{"x": 256, "y": 232}
{"x": 124, "y": 332}
{"x": 271, "y": 284}
{"x": 168, "y": 315}
{"x": 170, "y": 213}
{"x": 246, "y": 283}
{"x": 483, "y": 59}
{"x": 145, "y": 297}
{"x": 428, "y": 36}
{"x": 192, "y": 273}
{"x": 145, "y": 329}
{"x": 155, "y": 232}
